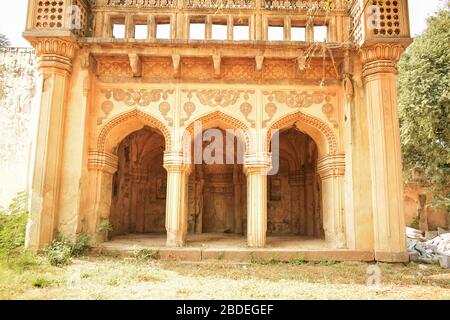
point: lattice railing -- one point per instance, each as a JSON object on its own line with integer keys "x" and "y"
{"x": 62, "y": 15}
{"x": 217, "y": 4}
{"x": 135, "y": 3}
{"x": 225, "y": 4}
{"x": 304, "y": 5}
{"x": 379, "y": 19}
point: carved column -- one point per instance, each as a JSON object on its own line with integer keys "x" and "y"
{"x": 178, "y": 170}
{"x": 256, "y": 168}
{"x": 55, "y": 66}
{"x": 380, "y": 81}
{"x": 102, "y": 167}
{"x": 332, "y": 171}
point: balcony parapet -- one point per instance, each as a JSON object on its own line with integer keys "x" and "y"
{"x": 290, "y": 5}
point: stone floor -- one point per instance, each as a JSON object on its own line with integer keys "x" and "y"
{"x": 233, "y": 247}
{"x": 219, "y": 241}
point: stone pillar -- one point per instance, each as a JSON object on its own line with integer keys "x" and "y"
{"x": 55, "y": 66}
{"x": 309, "y": 202}
{"x": 256, "y": 168}
{"x": 230, "y": 27}
{"x": 237, "y": 199}
{"x": 380, "y": 81}
{"x": 102, "y": 167}
{"x": 178, "y": 170}
{"x": 331, "y": 169}
{"x": 297, "y": 185}
{"x": 208, "y": 27}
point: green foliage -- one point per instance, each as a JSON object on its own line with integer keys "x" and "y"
{"x": 415, "y": 223}
{"x": 147, "y": 254}
{"x": 424, "y": 102}
{"x": 13, "y": 222}
{"x": 41, "y": 283}
{"x": 60, "y": 252}
{"x": 265, "y": 262}
{"x": 105, "y": 225}
{"x": 325, "y": 262}
{"x": 81, "y": 245}
{"x": 298, "y": 262}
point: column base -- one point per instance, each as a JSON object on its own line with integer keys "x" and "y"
{"x": 256, "y": 245}
{"x": 396, "y": 257}
{"x": 175, "y": 239}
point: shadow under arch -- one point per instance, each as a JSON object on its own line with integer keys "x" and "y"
{"x": 318, "y": 130}
{"x": 120, "y": 126}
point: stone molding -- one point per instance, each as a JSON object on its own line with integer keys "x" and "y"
{"x": 55, "y": 53}
{"x": 311, "y": 121}
{"x": 102, "y": 161}
{"x": 257, "y": 163}
{"x": 381, "y": 58}
{"x": 225, "y": 118}
{"x": 331, "y": 166}
{"x": 145, "y": 117}
{"x": 177, "y": 162}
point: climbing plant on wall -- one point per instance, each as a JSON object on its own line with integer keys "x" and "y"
{"x": 424, "y": 103}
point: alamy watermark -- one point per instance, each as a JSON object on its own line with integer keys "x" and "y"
{"x": 215, "y": 146}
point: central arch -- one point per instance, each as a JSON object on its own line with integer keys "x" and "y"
{"x": 294, "y": 193}
{"x": 217, "y": 192}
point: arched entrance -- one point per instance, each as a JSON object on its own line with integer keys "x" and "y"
{"x": 294, "y": 193}
{"x": 217, "y": 186}
{"x": 308, "y": 144}
{"x": 139, "y": 186}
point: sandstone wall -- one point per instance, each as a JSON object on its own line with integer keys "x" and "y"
{"x": 18, "y": 106}
{"x": 18, "y": 79}
{"x": 417, "y": 203}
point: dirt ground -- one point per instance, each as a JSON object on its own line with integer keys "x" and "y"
{"x": 103, "y": 278}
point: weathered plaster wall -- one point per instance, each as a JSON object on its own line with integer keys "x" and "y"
{"x": 417, "y": 204}
{"x": 18, "y": 83}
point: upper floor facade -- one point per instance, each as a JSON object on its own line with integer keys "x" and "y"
{"x": 257, "y": 22}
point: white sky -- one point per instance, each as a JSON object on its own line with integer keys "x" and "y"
{"x": 12, "y": 18}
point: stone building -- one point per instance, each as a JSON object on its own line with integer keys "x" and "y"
{"x": 18, "y": 93}
{"x": 125, "y": 80}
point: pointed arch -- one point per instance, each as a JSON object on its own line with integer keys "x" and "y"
{"x": 117, "y": 128}
{"x": 318, "y": 130}
{"x": 219, "y": 116}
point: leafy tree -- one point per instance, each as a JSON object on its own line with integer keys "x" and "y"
{"x": 13, "y": 221}
{"x": 4, "y": 41}
{"x": 424, "y": 102}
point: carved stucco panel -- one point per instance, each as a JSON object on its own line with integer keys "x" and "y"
{"x": 158, "y": 102}
{"x": 238, "y": 103}
{"x": 321, "y": 104}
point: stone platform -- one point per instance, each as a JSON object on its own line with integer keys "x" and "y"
{"x": 234, "y": 248}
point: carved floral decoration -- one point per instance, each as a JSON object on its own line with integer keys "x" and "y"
{"x": 136, "y": 98}
{"x": 298, "y": 100}
{"x": 218, "y": 98}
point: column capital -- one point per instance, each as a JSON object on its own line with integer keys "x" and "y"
{"x": 381, "y": 58}
{"x": 102, "y": 161}
{"x": 258, "y": 163}
{"x": 54, "y": 53}
{"x": 331, "y": 166}
{"x": 177, "y": 162}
